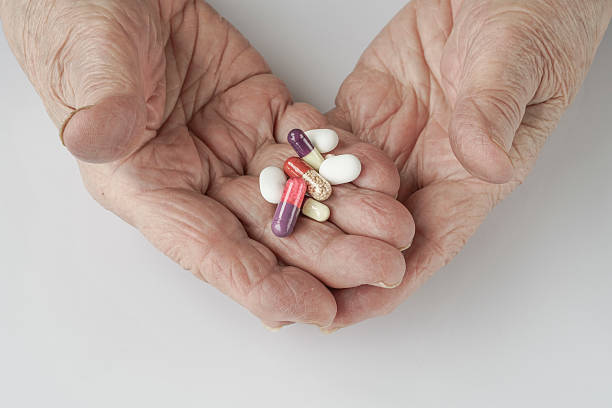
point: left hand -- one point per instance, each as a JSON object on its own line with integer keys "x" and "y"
{"x": 462, "y": 94}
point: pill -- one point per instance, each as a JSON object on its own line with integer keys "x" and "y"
{"x": 288, "y": 210}
{"x": 325, "y": 140}
{"x": 340, "y": 169}
{"x": 304, "y": 148}
{"x": 318, "y": 187}
{"x": 315, "y": 210}
{"x": 271, "y": 184}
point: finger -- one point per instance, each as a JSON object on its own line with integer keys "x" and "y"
{"x": 362, "y": 303}
{"x": 378, "y": 172}
{"x": 205, "y": 238}
{"x": 354, "y": 210}
{"x": 104, "y": 87}
{"x": 373, "y": 214}
{"x": 444, "y": 227}
{"x": 337, "y": 259}
{"x": 355, "y": 305}
{"x": 358, "y": 304}
{"x": 491, "y": 76}
{"x": 108, "y": 130}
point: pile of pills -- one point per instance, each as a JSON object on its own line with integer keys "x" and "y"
{"x": 309, "y": 174}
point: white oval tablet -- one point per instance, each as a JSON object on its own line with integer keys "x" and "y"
{"x": 341, "y": 169}
{"x": 272, "y": 183}
{"x": 325, "y": 140}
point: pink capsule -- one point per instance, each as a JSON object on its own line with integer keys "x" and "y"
{"x": 288, "y": 210}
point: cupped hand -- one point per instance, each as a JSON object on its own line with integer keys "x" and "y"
{"x": 172, "y": 115}
{"x": 461, "y": 95}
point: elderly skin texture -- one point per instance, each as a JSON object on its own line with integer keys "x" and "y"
{"x": 180, "y": 113}
{"x": 451, "y": 85}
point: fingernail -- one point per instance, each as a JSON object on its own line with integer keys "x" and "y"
{"x": 275, "y": 329}
{"x": 318, "y": 324}
{"x": 386, "y": 286}
{"x": 326, "y": 330}
{"x": 405, "y": 248}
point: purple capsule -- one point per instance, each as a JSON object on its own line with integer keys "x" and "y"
{"x": 304, "y": 148}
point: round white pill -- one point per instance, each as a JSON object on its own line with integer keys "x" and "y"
{"x": 272, "y": 183}
{"x": 325, "y": 140}
{"x": 341, "y": 169}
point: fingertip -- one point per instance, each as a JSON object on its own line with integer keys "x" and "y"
{"x": 403, "y": 234}
{"x": 391, "y": 265}
{"x": 107, "y": 131}
{"x": 395, "y": 275}
{"x": 365, "y": 302}
{"x": 292, "y": 295}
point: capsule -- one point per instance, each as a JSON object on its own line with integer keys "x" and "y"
{"x": 318, "y": 187}
{"x": 288, "y": 210}
{"x": 315, "y": 210}
{"x": 304, "y": 148}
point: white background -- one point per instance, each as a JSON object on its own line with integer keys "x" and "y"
{"x": 92, "y": 316}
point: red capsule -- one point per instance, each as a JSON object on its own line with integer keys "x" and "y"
{"x": 295, "y": 167}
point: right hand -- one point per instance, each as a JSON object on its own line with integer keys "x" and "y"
{"x": 172, "y": 114}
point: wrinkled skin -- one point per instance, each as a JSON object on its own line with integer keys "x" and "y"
{"x": 172, "y": 115}
{"x": 462, "y": 95}
{"x": 181, "y": 114}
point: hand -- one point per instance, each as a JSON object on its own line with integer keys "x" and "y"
{"x": 180, "y": 114}
{"x": 460, "y": 94}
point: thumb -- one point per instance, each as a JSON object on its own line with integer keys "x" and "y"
{"x": 490, "y": 78}
{"x": 107, "y": 130}
{"x": 102, "y": 68}
{"x": 85, "y": 62}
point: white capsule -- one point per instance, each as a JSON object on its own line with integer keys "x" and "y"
{"x": 341, "y": 169}
{"x": 272, "y": 183}
{"x": 325, "y": 140}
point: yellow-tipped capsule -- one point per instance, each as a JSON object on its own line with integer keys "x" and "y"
{"x": 305, "y": 149}
{"x": 315, "y": 210}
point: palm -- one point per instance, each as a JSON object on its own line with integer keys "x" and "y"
{"x": 215, "y": 114}
{"x": 398, "y": 99}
